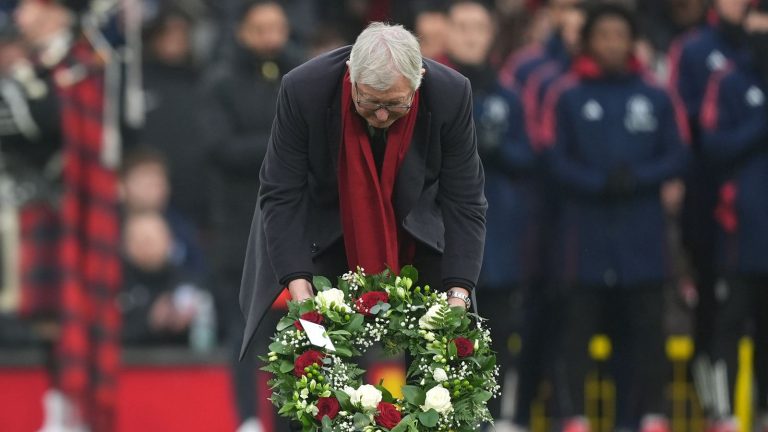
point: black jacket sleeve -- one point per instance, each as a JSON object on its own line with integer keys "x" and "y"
{"x": 461, "y": 195}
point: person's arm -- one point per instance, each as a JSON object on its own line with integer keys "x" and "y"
{"x": 672, "y": 156}
{"x": 734, "y": 119}
{"x": 283, "y": 196}
{"x": 515, "y": 153}
{"x": 462, "y": 199}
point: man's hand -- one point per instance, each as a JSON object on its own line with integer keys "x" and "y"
{"x": 457, "y": 302}
{"x": 300, "y": 290}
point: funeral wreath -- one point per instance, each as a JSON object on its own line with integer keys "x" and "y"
{"x": 318, "y": 383}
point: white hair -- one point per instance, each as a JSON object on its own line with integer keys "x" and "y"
{"x": 382, "y": 53}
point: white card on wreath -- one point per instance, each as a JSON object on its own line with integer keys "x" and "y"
{"x": 317, "y": 335}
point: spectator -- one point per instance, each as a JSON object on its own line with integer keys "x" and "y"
{"x": 431, "y": 27}
{"x": 614, "y": 140}
{"x": 145, "y": 187}
{"x": 158, "y": 303}
{"x": 518, "y": 66}
{"x": 507, "y": 157}
{"x": 692, "y": 59}
{"x": 540, "y": 334}
{"x": 735, "y": 140}
{"x": 172, "y": 104}
{"x": 240, "y": 107}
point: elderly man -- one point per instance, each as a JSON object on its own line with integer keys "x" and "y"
{"x": 372, "y": 161}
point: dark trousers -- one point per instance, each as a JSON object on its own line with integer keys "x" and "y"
{"x": 540, "y": 335}
{"x": 633, "y": 317}
{"x": 496, "y": 305}
{"x": 742, "y": 305}
{"x": 243, "y": 373}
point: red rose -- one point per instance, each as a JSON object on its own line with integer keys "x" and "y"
{"x": 307, "y": 359}
{"x": 387, "y": 416}
{"x": 369, "y": 300}
{"x": 311, "y": 316}
{"x": 327, "y": 406}
{"x": 464, "y": 346}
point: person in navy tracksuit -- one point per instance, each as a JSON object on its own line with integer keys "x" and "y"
{"x": 542, "y": 298}
{"x": 521, "y": 64}
{"x": 613, "y": 138}
{"x": 507, "y": 158}
{"x": 734, "y": 123}
{"x": 693, "y": 59}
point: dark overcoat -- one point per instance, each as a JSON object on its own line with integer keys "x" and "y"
{"x": 438, "y": 197}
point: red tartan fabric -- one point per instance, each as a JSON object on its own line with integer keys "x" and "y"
{"x": 88, "y": 348}
{"x": 39, "y": 261}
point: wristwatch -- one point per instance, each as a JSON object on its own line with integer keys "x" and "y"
{"x": 460, "y": 295}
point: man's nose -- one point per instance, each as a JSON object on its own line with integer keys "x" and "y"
{"x": 382, "y": 114}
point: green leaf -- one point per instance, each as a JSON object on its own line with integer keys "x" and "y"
{"x": 343, "y": 351}
{"x": 279, "y": 348}
{"x": 429, "y": 418}
{"x": 361, "y": 420}
{"x": 453, "y": 352}
{"x": 327, "y": 425}
{"x": 343, "y": 399}
{"x": 356, "y": 323}
{"x": 375, "y": 309}
{"x": 410, "y": 272}
{"x": 482, "y": 396}
{"x": 321, "y": 283}
{"x": 414, "y": 395}
{"x": 386, "y": 396}
{"x": 284, "y": 323}
{"x": 404, "y": 425}
{"x": 285, "y": 366}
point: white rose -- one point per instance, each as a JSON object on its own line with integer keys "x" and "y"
{"x": 439, "y": 399}
{"x": 352, "y": 393}
{"x": 439, "y": 375}
{"x": 368, "y": 396}
{"x": 329, "y": 297}
{"x": 425, "y": 322}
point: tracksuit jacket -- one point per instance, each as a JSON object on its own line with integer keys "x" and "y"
{"x": 592, "y": 126}
{"x": 735, "y": 139}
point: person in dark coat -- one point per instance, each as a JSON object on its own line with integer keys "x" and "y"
{"x": 348, "y": 121}
{"x": 240, "y": 98}
{"x": 735, "y": 141}
{"x": 508, "y": 158}
{"x": 613, "y": 139}
{"x": 173, "y": 101}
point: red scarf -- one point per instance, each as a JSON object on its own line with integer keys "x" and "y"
{"x": 371, "y": 235}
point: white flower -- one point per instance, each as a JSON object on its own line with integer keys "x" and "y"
{"x": 439, "y": 375}
{"x": 352, "y": 393}
{"x": 439, "y": 399}
{"x": 426, "y": 321}
{"x": 368, "y": 396}
{"x": 330, "y": 297}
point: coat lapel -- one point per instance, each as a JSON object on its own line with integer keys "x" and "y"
{"x": 333, "y": 128}
{"x": 410, "y": 178}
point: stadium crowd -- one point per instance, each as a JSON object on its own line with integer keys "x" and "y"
{"x": 625, "y": 146}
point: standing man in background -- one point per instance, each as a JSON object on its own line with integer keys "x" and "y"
{"x": 238, "y": 114}
{"x": 507, "y": 157}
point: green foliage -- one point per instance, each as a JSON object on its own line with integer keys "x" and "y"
{"x": 352, "y": 332}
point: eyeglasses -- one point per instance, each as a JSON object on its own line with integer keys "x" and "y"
{"x": 373, "y": 106}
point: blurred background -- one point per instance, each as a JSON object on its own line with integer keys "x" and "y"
{"x": 131, "y": 136}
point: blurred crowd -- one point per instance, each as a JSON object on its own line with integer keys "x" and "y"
{"x": 624, "y": 144}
